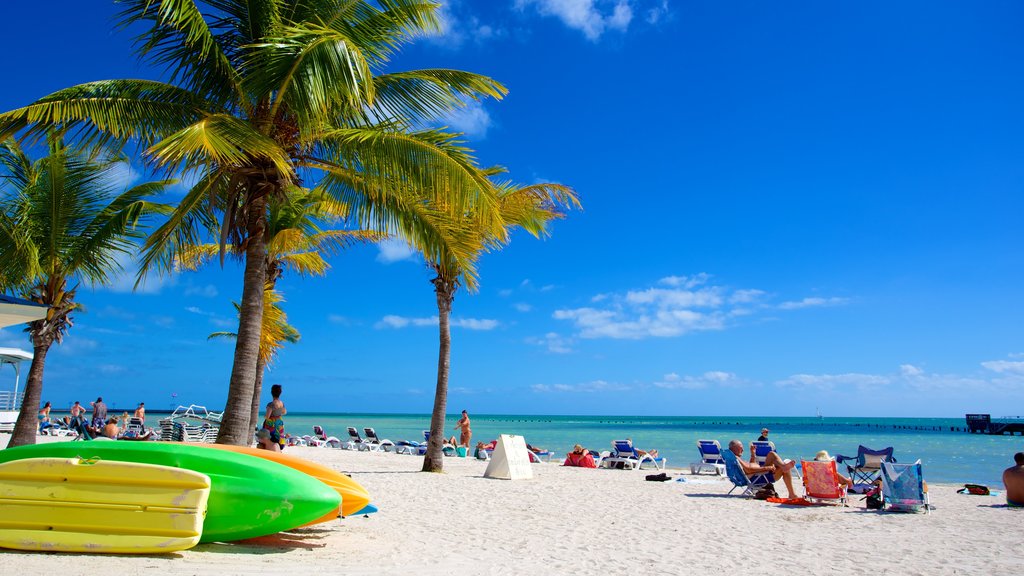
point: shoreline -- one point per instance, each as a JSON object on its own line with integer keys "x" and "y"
{"x": 572, "y": 521}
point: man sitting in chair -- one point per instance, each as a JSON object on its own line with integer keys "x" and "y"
{"x": 773, "y": 464}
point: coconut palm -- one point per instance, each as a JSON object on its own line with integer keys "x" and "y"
{"x": 275, "y": 334}
{"x": 528, "y": 207}
{"x": 296, "y": 242}
{"x": 262, "y": 95}
{"x": 62, "y": 222}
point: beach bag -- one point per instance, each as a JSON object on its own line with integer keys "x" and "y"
{"x": 765, "y": 493}
{"x": 976, "y": 489}
{"x": 874, "y": 500}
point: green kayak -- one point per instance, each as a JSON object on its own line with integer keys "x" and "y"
{"x": 249, "y": 496}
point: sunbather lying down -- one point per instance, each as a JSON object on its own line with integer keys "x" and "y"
{"x": 651, "y": 453}
{"x": 773, "y": 464}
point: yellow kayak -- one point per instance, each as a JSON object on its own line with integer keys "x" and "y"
{"x": 74, "y": 505}
{"x": 353, "y": 496}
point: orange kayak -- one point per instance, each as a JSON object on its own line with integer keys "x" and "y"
{"x": 353, "y": 496}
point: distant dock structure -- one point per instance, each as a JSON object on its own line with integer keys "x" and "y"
{"x": 984, "y": 424}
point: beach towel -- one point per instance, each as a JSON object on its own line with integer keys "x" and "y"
{"x": 790, "y": 501}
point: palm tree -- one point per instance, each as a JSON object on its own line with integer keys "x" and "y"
{"x": 295, "y": 243}
{"x": 62, "y": 223}
{"x": 262, "y": 94}
{"x": 275, "y": 334}
{"x": 528, "y": 207}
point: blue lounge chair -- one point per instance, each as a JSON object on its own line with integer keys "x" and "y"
{"x": 625, "y": 453}
{"x": 710, "y": 458}
{"x": 760, "y": 450}
{"x": 903, "y": 487}
{"x": 739, "y": 479}
{"x": 865, "y": 467}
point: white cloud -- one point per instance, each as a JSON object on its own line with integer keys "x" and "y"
{"x": 677, "y": 305}
{"x": 522, "y": 306}
{"x": 208, "y": 291}
{"x": 394, "y": 250}
{"x": 111, "y": 369}
{"x": 1004, "y": 367}
{"x": 505, "y": 293}
{"x": 396, "y": 322}
{"x": 706, "y": 380}
{"x": 555, "y": 343}
{"x": 586, "y": 387}
{"x": 338, "y": 319}
{"x": 658, "y": 12}
{"x": 832, "y": 381}
{"x": 813, "y": 303}
{"x": 458, "y": 26}
{"x": 124, "y": 281}
{"x": 591, "y": 17}
{"x": 471, "y": 119}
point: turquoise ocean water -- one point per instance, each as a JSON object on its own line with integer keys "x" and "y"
{"x": 947, "y": 456}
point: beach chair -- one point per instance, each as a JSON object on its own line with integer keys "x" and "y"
{"x": 739, "y": 479}
{"x": 760, "y": 450}
{"x": 409, "y": 447}
{"x": 373, "y": 443}
{"x": 821, "y": 482}
{"x": 320, "y": 439}
{"x": 626, "y": 454}
{"x": 355, "y": 441}
{"x": 710, "y": 458}
{"x": 865, "y": 467}
{"x": 903, "y": 487}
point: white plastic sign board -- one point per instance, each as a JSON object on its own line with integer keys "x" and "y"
{"x": 510, "y": 460}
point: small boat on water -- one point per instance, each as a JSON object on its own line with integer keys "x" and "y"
{"x": 10, "y": 400}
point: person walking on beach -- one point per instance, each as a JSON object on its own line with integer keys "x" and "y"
{"x": 1013, "y": 479}
{"x": 465, "y": 433}
{"x": 140, "y": 412}
{"x": 773, "y": 463}
{"x": 274, "y": 422}
{"x": 99, "y": 413}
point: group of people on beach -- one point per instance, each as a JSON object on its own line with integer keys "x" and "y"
{"x": 98, "y": 426}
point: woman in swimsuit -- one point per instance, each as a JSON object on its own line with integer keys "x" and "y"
{"x": 463, "y": 425}
{"x": 274, "y": 422}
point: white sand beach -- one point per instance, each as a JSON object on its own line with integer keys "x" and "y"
{"x": 584, "y": 521}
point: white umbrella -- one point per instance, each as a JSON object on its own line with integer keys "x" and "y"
{"x": 17, "y": 311}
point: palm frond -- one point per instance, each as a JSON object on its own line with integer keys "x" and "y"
{"x": 426, "y": 95}
{"x": 108, "y": 111}
{"x": 220, "y": 140}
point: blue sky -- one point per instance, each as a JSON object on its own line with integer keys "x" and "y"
{"x": 787, "y": 206}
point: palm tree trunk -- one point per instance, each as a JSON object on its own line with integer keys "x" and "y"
{"x": 445, "y": 292}
{"x": 28, "y": 424}
{"x": 235, "y": 428}
{"x": 257, "y": 389}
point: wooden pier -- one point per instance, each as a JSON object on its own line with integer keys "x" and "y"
{"x": 984, "y": 424}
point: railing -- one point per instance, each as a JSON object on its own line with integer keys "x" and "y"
{"x": 8, "y": 401}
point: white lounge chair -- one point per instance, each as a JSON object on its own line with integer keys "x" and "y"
{"x": 374, "y": 444}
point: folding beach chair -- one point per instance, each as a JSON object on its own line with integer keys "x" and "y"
{"x": 375, "y": 444}
{"x": 821, "y": 482}
{"x": 710, "y": 458}
{"x": 740, "y": 479}
{"x": 865, "y": 467}
{"x": 903, "y": 487}
{"x": 625, "y": 453}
